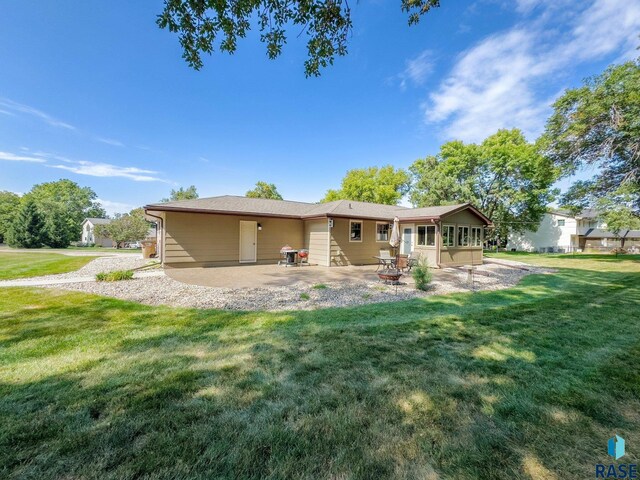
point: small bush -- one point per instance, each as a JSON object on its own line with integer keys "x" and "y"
{"x": 619, "y": 251}
{"x": 320, "y": 286}
{"x": 304, "y": 296}
{"x": 421, "y": 274}
{"x": 114, "y": 276}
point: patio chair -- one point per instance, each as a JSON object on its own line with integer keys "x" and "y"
{"x": 402, "y": 262}
{"x": 385, "y": 253}
{"x": 413, "y": 260}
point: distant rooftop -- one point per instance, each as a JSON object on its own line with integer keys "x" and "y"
{"x": 98, "y": 221}
{"x": 586, "y": 213}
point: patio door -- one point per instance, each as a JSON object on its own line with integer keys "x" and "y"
{"x": 407, "y": 240}
{"x": 248, "y": 241}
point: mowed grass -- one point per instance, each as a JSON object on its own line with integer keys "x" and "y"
{"x": 525, "y": 383}
{"x": 22, "y": 265}
{"x": 583, "y": 261}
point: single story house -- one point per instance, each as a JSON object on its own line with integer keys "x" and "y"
{"x": 560, "y": 231}
{"x": 231, "y": 230}
{"x": 89, "y": 235}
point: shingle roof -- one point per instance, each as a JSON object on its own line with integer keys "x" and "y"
{"x": 431, "y": 211}
{"x": 98, "y": 221}
{"x": 346, "y": 208}
{"x": 600, "y": 233}
{"x": 588, "y": 213}
{"x": 230, "y": 203}
{"x": 283, "y": 208}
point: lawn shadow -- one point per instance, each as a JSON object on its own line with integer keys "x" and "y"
{"x": 478, "y": 385}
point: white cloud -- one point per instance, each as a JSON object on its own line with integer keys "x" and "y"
{"x": 417, "y": 69}
{"x": 83, "y": 167}
{"x": 495, "y": 84}
{"x": 11, "y": 157}
{"x": 115, "y": 207}
{"x": 110, "y": 141}
{"x": 16, "y": 107}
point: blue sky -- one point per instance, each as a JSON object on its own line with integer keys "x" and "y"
{"x": 96, "y": 92}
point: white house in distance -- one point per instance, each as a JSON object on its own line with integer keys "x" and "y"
{"x": 559, "y": 231}
{"x": 88, "y": 232}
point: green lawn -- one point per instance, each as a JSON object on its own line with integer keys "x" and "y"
{"x": 585, "y": 261}
{"x": 21, "y": 265}
{"x": 104, "y": 249}
{"x": 523, "y": 383}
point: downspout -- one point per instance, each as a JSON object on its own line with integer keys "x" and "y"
{"x": 438, "y": 241}
{"x": 161, "y": 240}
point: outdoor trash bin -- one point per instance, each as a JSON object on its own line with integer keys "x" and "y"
{"x": 148, "y": 248}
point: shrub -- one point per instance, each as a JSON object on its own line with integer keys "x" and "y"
{"x": 304, "y": 296}
{"x": 421, "y": 274}
{"x": 619, "y": 251}
{"x": 114, "y": 276}
{"x": 320, "y": 286}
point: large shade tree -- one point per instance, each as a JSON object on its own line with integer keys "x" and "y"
{"x": 182, "y": 193}
{"x": 64, "y": 205}
{"x": 598, "y": 125}
{"x": 206, "y": 25}
{"x": 264, "y": 190}
{"x": 127, "y": 227}
{"x": 385, "y": 185}
{"x": 504, "y": 176}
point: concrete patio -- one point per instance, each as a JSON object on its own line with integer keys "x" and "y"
{"x": 253, "y": 276}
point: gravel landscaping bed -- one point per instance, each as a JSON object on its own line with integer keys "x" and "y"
{"x": 162, "y": 290}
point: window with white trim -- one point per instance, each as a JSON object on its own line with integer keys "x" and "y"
{"x": 382, "y": 232}
{"x": 463, "y": 236}
{"x": 426, "y": 235}
{"x": 355, "y": 231}
{"x": 561, "y": 222}
{"x": 448, "y": 235}
{"x": 476, "y": 236}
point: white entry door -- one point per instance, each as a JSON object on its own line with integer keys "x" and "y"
{"x": 248, "y": 241}
{"x": 407, "y": 240}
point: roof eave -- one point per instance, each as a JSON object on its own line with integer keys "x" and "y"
{"x": 159, "y": 208}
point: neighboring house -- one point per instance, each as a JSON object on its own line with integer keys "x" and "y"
{"x": 89, "y": 235}
{"x": 559, "y": 231}
{"x": 232, "y": 230}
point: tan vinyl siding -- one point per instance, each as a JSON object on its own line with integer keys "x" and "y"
{"x": 457, "y": 256}
{"x": 344, "y": 252}
{"x": 197, "y": 239}
{"x": 316, "y": 240}
{"x": 429, "y": 253}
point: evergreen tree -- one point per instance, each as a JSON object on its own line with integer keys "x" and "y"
{"x": 59, "y": 230}
{"x": 28, "y": 227}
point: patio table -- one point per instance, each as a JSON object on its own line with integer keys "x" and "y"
{"x": 385, "y": 262}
